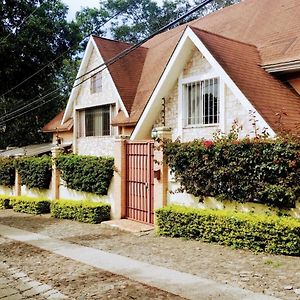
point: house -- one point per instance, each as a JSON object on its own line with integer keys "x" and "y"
{"x": 236, "y": 64}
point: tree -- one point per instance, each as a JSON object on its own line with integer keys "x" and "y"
{"x": 139, "y": 19}
{"x": 32, "y": 34}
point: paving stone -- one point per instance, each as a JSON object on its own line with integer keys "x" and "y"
{"x": 297, "y": 291}
{"x": 43, "y": 288}
{"x": 57, "y": 295}
{"x": 14, "y": 297}
{"x": 8, "y": 291}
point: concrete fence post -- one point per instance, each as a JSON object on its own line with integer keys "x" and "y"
{"x": 55, "y": 173}
{"x": 119, "y": 180}
{"x": 18, "y": 180}
{"x": 161, "y": 172}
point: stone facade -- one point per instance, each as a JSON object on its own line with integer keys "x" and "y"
{"x": 233, "y": 110}
{"x": 95, "y": 145}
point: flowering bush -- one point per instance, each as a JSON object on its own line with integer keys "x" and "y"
{"x": 255, "y": 170}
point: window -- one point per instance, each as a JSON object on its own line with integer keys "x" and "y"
{"x": 96, "y": 83}
{"x": 202, "y": 102}
{"x": 95, "y": 121}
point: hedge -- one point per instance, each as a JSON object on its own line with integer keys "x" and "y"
{"x": 5, "y": 202}
{"x": 271, "y": 234}
{"x": 86, "y": 173}
{"x": 257, "y": 170}
{"x": 7, "y": 171}
{"x": 82, "y": 211}
{"x": 35, "y": 172}
{"x": 30, "y": 205}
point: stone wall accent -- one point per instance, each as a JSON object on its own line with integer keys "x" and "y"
{"x": 234, "y": 110}
{"x": 94, "y": 145}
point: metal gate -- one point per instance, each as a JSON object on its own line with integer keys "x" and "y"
{"x": 139, "y": 181}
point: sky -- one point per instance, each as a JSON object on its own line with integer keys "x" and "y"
{"x": 75, "y": 5}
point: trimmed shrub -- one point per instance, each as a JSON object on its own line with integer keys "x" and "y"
{"x": 272, "y": 234}
{"x": 35, "y": 171}
{"x": 30, "y": 205}
{"x": 7, "y": 171}
{"x": 86, "y": 173}
{"x": 82, "y": 211}
{"x": 5, "y": 202}
{"x": 264, "y": 171}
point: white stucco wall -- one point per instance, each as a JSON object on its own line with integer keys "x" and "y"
{"x": 92, "y": 145}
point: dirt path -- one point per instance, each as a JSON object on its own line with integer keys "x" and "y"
{"x": 278, "y": 276}
{"x": 73, "y": 279}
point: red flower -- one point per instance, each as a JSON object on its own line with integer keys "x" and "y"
{"x": 208, "y": 144}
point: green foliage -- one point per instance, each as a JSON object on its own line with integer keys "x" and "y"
{"x": 30, "y": 205}
{"x": 272, "y": 234}
{"x": 35, "y": 171}
{"x": 259, "y": 170}
{"x": 138, "y": 19}
{"x": 5, "y": 202}
{"x": 7, "y": 171}
{"x": 82, "y": 211}
{"x": 44, "y": 35}
{"x": 86, "y": 173}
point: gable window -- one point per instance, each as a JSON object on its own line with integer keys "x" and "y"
{"x": 95, "y": 121}
{"x": 96, "y": 83}
{"x": 202, "y": 102}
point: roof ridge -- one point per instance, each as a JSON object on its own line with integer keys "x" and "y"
{"x": 224, "y": 37}
{"x": 116, "y": 41}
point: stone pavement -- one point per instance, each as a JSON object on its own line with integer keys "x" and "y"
{"x": 17, "y": 285}
{"x": 179, "y": 283}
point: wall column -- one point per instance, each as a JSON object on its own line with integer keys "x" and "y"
{"x": 118, "y": 209}
{"x": 18, "y": 181}
{"x": 161, "y": 172}
{"x": 55, "y": 173}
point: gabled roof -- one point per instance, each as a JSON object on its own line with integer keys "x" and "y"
{"x": 276, "y": 102}
{"x": 56, "y": 125}
{"x": 272, "y": 26}
{"x": 125, "y": 72}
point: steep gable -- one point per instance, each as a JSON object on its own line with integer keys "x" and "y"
{"x": 125, "y": 72}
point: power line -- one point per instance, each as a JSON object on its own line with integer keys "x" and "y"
{"x": 61, "y": 55}
{"x": 21, "y": 24}
{"x": 107, "y": 63}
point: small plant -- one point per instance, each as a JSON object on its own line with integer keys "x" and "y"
{"x": 271, "y": 234}
{"x": 30, "y": 205}
{"x": 5, "y": 202}
{"x": 82, "y": 211}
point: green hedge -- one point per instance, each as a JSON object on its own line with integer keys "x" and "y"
{"x": 272, "y": 234}
{"x": 265, "y": 171}
{"x": 5, "y": 202}
{"x": 86, "y": 173}
{"x": 30, "y": 205}
{"x": 7, "y": 171}
{"x": 35, "y": 171}
{"x": 82, "y": 211}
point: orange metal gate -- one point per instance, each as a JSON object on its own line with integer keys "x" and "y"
{"x": 139, "y": 181}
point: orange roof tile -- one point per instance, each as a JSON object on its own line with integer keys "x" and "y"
{"x": 55, "y": 124}
{"x": 125, "y": 72}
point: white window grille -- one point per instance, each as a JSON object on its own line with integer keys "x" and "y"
{"x": 202, "y": 102}
{"x": 96, "y": 83}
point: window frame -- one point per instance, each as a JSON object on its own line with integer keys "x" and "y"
{"x": 199, "y": 80}
{"x": 82, "y": 121}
